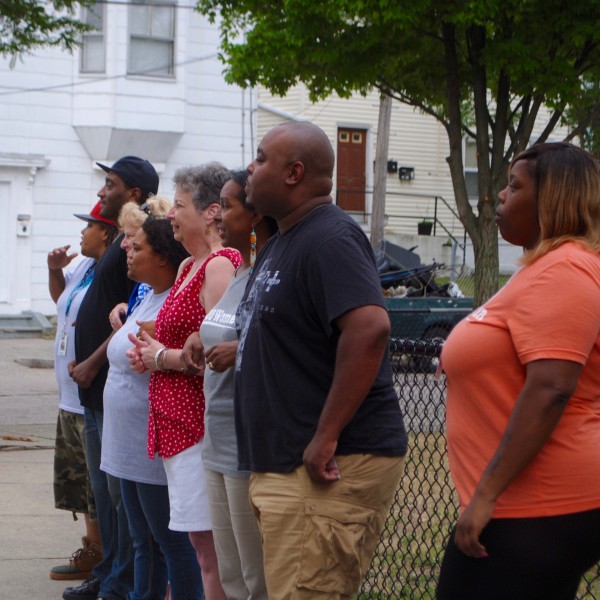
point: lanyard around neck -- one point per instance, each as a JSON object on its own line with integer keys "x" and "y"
{"x": 85, "y": 281}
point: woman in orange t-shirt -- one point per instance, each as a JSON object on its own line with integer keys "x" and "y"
{"x": 523, "y": 412}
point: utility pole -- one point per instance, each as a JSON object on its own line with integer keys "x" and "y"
{"x": 381, "y": 156}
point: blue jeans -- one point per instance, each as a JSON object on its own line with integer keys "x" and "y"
{"x": 160, "y": 554}
{"x": 115, "y": 571}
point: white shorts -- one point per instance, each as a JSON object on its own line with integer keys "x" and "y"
{"x": 187, "y": 490}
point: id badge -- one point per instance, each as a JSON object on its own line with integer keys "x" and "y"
{"x": 62, "y": 344}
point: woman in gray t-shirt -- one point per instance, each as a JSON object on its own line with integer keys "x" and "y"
{"x": 235, "y": 531}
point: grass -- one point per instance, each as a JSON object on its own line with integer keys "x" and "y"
{"x": 407, "y": 561}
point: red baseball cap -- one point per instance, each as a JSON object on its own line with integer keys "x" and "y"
{"x": 95, "y": 216}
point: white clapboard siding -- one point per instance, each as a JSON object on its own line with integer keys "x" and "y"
{"x": 191, "y": 118}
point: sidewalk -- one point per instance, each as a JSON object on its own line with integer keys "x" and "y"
{"x": 35, "y": 536}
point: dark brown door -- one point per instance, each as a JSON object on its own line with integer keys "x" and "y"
{"x": 351, "y": 178}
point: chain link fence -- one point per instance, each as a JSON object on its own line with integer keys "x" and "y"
{"x": 407, "y": 561}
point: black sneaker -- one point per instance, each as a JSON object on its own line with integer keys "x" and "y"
{"x": 88, "y": 589}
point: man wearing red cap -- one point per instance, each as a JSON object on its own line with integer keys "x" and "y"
{"x": 130, "y": 179}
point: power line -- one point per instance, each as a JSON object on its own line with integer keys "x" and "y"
{"x": 149, "y": 3}
{"x": 96, "y": 80}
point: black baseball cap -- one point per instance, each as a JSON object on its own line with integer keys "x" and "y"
{"x": 136, "y": 172}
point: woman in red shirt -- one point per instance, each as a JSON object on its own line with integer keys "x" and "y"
{"x": 176, "y": 420}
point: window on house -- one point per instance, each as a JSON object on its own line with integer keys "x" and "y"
{"x": 151, "y": 38}
{"x": 92, "y": 43}
{"x": 470, "y": 164}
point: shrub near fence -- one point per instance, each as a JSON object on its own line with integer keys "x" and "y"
{"x": 407, "y": 561}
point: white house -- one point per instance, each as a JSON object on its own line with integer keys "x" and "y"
{"x": 147, "y": 82}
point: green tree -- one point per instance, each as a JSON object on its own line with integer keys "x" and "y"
{"x": 29, "y": 24}
{"x": 585, "y": 116}
{"x": 482, "y": 68}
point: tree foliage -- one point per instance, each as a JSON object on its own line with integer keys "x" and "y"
{"x": 482, "y": 68}
{"x": 585, "y": 115}
{"x": 29, "y": 24}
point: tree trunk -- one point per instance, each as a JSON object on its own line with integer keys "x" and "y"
{"x": 485, "y": 248}
{"x": 381, "y": 157}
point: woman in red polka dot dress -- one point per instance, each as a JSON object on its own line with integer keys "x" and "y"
{"x": 176, "y": 423}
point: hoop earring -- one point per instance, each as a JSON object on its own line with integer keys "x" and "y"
{"x": 252, "y": 248}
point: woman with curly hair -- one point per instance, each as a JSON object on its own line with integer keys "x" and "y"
{"x": 160, "y": 554}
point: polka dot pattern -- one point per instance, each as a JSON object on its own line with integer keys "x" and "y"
{"x": 176, "y": 418}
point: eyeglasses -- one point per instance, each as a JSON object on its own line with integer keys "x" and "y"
{"x": 146, "y": 208}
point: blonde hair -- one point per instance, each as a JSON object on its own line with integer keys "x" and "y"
{"x": 132, "y": 215}
{"x": 567, "y": 182}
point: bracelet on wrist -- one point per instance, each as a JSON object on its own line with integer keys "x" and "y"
{"x": 157, "y": 357}
{"x": 163, "y": 356}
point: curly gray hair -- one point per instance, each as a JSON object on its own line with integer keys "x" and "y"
{"x": 204, "y": 181}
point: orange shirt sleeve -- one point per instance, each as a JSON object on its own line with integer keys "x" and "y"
{"x": 558, "y": 314}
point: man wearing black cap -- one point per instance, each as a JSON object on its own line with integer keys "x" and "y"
{"x": 130, "y": 179}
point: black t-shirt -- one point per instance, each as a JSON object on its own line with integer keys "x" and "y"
{"x": 302, "y": 282}
{"x": 109, "y": 287}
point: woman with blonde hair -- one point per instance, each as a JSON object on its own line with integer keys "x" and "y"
{"x": 133, "y": 215}
{"x": 523, "y": 407}
{"x": 131, "y": 218}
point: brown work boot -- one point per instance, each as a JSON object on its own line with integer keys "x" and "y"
{"x": 81, "y": 563}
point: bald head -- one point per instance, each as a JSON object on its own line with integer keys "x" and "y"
{"x": 292, "y": 172}
{"x": 310, "y": 145}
